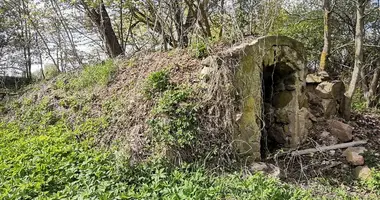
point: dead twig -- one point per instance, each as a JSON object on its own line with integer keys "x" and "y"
{"x": 331, "y": 147}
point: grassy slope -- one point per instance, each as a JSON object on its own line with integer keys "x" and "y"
{"x": 48, "y": 151}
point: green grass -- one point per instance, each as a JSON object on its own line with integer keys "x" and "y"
{"x": 53, "y": 164}
{"x": 99, "y": 74}
{"x": 50, "y": 153}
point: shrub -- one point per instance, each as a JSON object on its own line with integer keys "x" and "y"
{"x": 199, "y": 48}
{"x": 99, "y": 74}
{"x": 156, "y": 82}
{"x": 174, "y": 118}
{"x": 358, "y": 102}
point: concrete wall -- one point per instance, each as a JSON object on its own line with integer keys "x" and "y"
{"x": 283, "y": 116}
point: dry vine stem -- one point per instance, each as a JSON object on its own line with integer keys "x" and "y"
{"x": 325, "y": 148}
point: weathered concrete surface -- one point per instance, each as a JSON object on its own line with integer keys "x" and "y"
{"x": 270, "y": 71}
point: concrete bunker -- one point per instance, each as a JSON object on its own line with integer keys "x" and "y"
{"x": 270, "y": 94}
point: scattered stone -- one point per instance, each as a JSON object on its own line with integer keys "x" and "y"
{"x": 331, "y": 140}
{"x": 359, "y": 150}
{"x": 345, "y": 166}
{"x": 238, "y": 116}
{"x": 330, "y": 90}
{"x": 325, "y": 134}
{"x": 312, "y": 78}
{"x": 341, "y": 130}
{"x": 266, "y": 168}
{"x": 323, "y": 74}
{"x": 362, "y": 173}
{"x": 332, "y": 152}
{"x": 354, "y": 158}
{"x": 312, "y": 117}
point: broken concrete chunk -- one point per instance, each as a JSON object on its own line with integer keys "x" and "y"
{"x": 362, "y": 173}
{"x": 340, "y": 130}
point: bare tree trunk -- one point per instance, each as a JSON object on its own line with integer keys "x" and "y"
{"x": 203, "y": 4}
{"x": 359, "y": 37}
{"x": 25, "y": 32}
{"x": 40, "y": 57}
{"x": 121, "y": 32}
{"x": 323, "y": 65}
{"x": 370, "y": 96}
{"x": 103, "y": 22}
{"x": 222, "y": 19}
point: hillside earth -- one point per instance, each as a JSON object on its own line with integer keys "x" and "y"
{"x": 155, "y": 126}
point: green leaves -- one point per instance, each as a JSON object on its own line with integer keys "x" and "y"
{"x": 156, "y": 83}
{"x": 92, "y": 75}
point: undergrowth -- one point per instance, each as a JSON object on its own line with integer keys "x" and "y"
{"x": 48, "y": 149}
{"x": 55, "y": 162}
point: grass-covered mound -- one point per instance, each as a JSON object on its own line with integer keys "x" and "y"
{"x": 52, "y": 144}
{"x": 128, "y": 129}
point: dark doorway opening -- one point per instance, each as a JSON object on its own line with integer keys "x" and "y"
{"x": 278, "y": 87}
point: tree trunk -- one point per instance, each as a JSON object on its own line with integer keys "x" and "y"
{"x": 370, "y": 96}
{"x": 121, "y": 32}
{"x": 359, "y": 37}
{"x": 203, "y": 5}
{"x": 103, "y": 22}
{"x": 222, "y": 19}
{"x": 183, "y": 40}
{"x": 323, "y": 65}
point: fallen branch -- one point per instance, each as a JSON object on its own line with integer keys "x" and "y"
{"x": 326, "y": 148}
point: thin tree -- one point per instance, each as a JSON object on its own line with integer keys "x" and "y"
{"x": 359, "y": 39}
{"x": 324, "y": 61}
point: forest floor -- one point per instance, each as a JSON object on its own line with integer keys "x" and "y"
{"x": 330, "y": 169}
